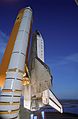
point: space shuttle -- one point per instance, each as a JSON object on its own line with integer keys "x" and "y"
{"x": 24, "y": 72}
{"x": 39, "y": 93}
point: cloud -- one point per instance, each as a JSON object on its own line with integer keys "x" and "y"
{"x": 73, "y": 57}
{"x": 63, "y": 60}
{"x": 3, "y": 36}
{"x": 3, "y": 43}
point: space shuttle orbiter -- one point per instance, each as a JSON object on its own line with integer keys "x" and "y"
{"x": 20, "y": 75}
{"x": 39, "y": 93}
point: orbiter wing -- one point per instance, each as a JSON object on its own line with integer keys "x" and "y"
{"x": 42, "y": 83}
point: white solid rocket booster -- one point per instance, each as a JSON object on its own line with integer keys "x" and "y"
{"x": 11, "y": 92}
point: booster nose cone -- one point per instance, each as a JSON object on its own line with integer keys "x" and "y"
{"x": 38, "y": 33}
{"x": 29, "y": 8}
